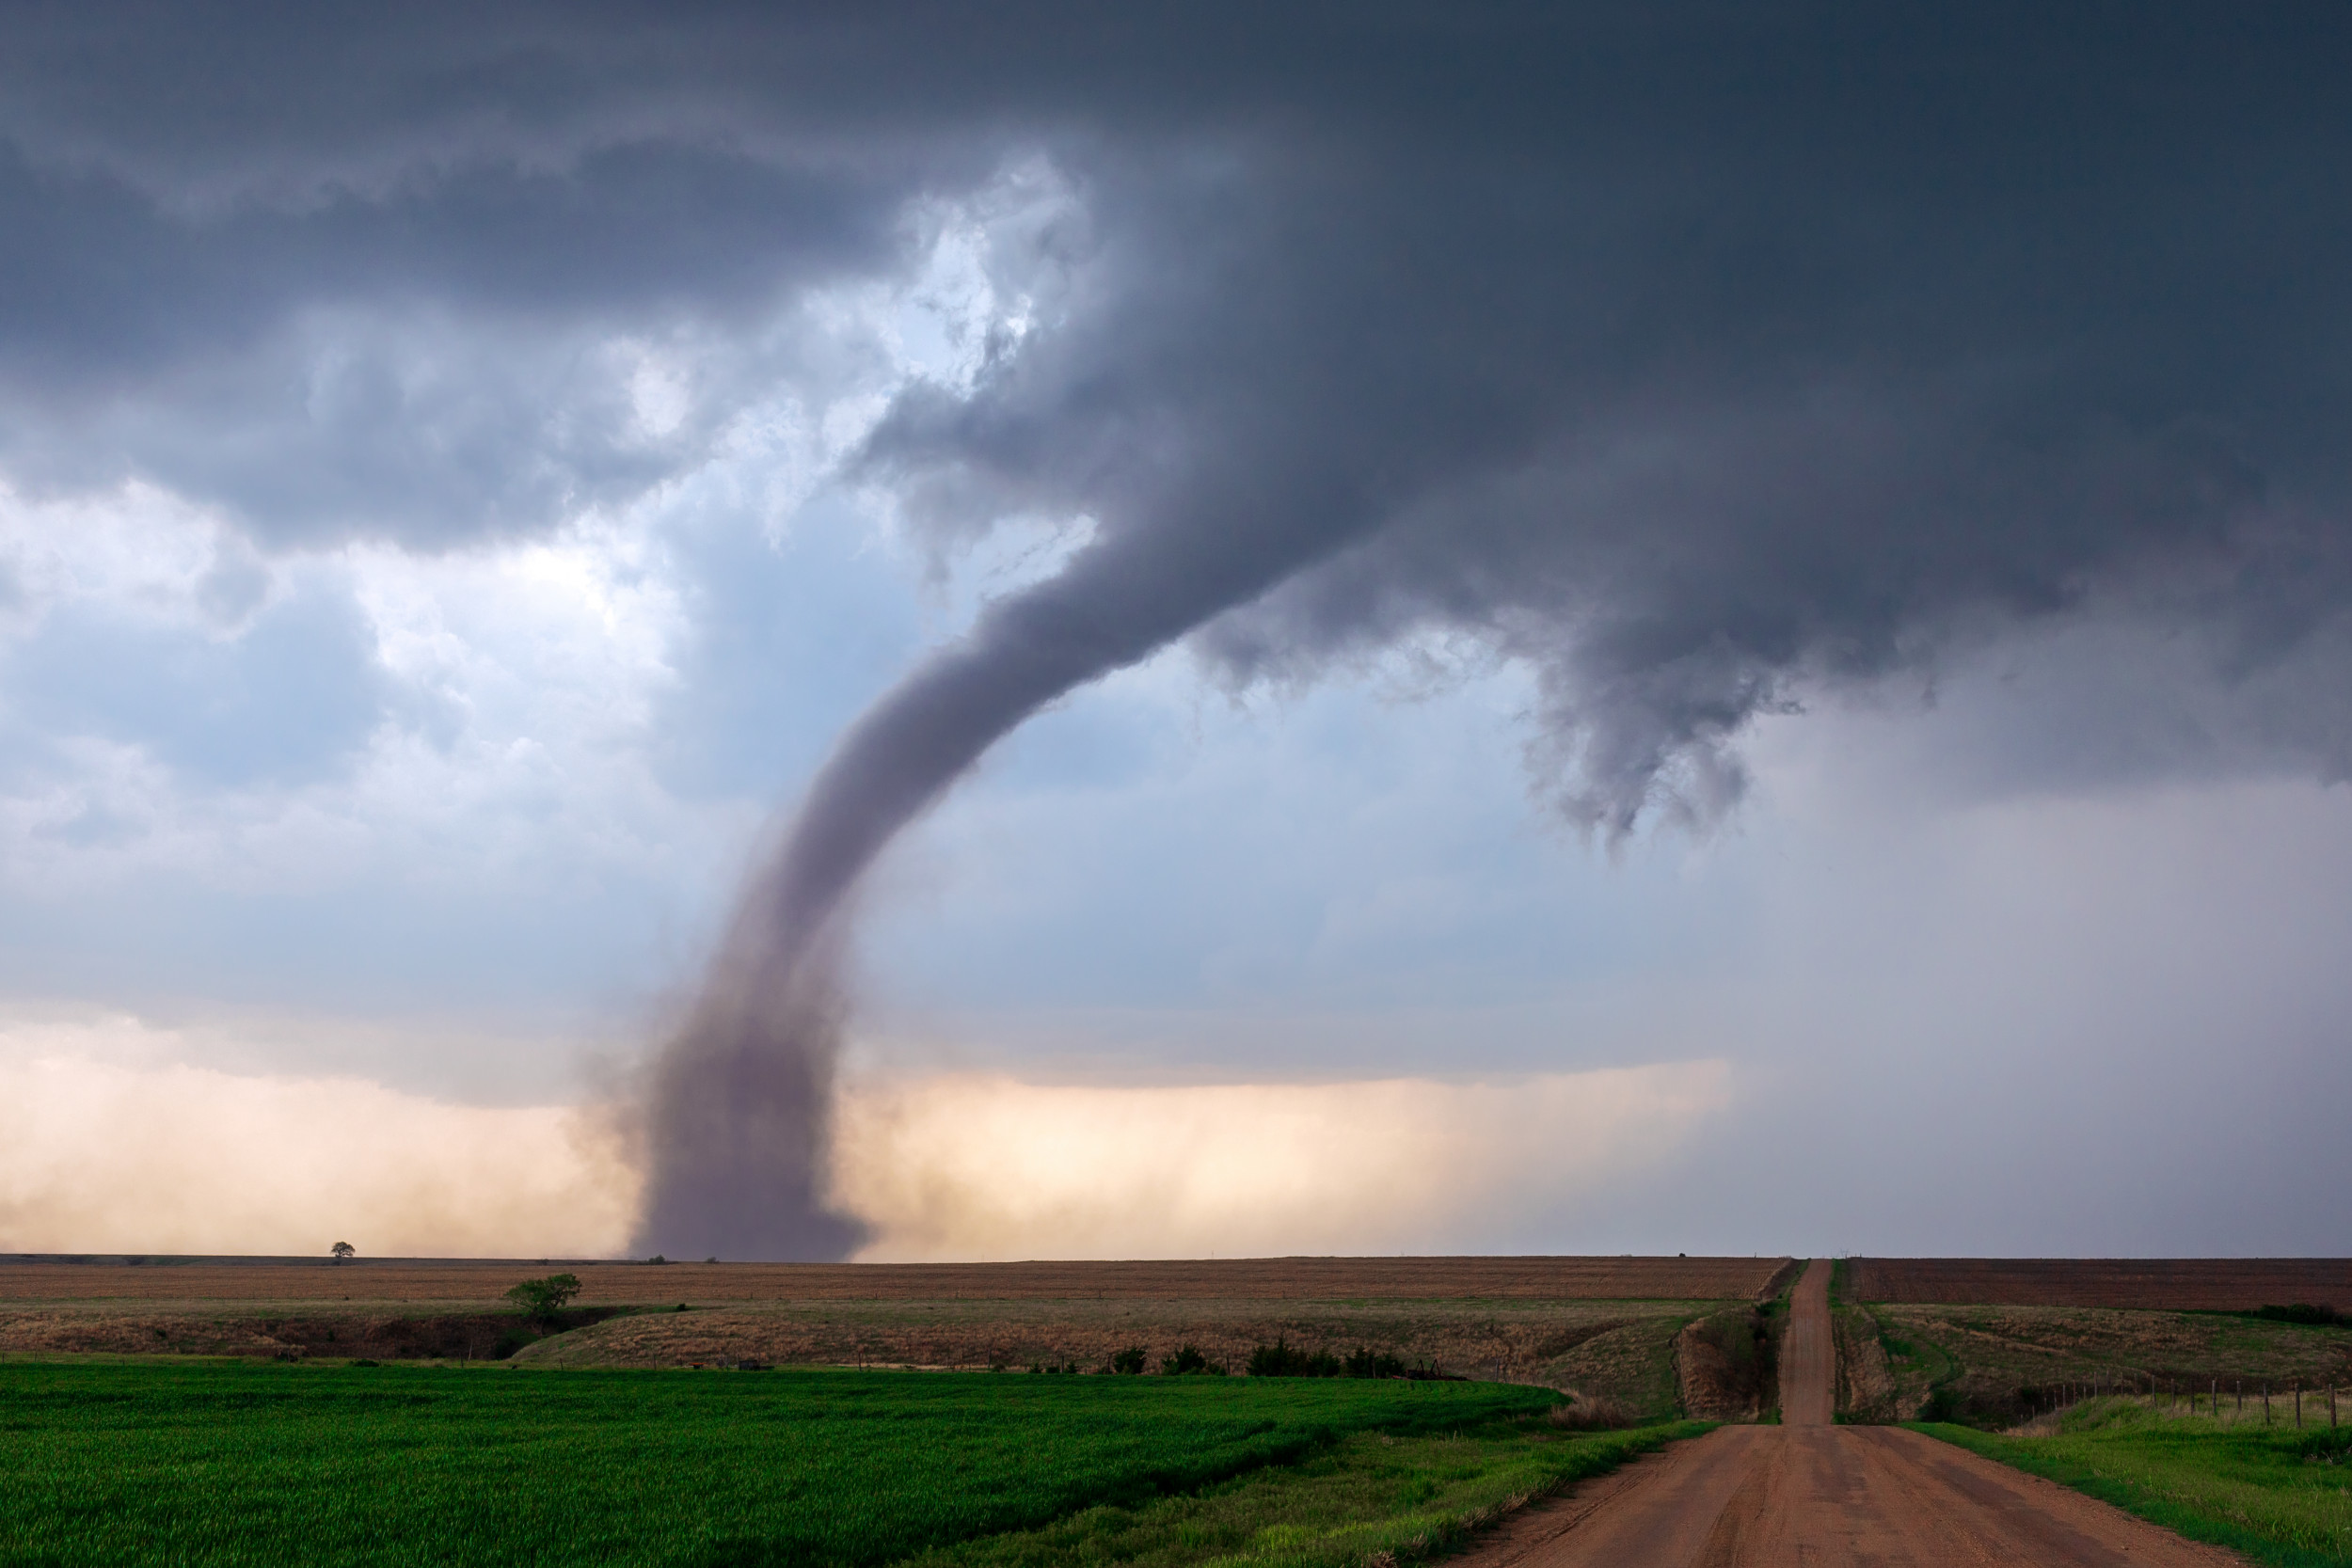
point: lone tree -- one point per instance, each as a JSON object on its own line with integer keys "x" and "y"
{"x": 342, "y": 1250}
{"x": 543, "y": 1298}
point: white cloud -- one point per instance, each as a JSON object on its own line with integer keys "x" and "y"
{"x": 100, "y": 1157}
{"x": 110, "y": 1141}
{"x": 955, "y": 1166}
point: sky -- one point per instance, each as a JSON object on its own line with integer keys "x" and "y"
{"x": 1595, "y": 629}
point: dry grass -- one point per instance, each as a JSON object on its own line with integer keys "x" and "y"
{"x": 1591, "y": 1412}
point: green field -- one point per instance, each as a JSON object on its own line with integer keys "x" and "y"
{"x": 237, "y": 1462}
{"x": 2275, "y": 1494}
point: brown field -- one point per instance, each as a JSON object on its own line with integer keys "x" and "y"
{"x": 2178, "y": 1284}
{"x": 1605, "y": 1326}
{"x": 457, "y": 1283}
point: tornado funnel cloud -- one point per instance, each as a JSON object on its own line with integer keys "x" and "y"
{"x": 737, "y": 1112}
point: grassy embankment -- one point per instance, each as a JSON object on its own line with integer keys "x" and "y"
{"x": 1616, "y": 1350}
{"x": 2273, "y": 1493}
{"x": 1995, "y": 1366}
{"x": 218, "y": 1462}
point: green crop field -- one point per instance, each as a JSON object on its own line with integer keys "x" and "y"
{"x": 2274, "y": 1493}
{"x": 238, "y": 1463}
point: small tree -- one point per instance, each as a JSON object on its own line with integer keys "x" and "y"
{"x": 1187, "y": 1361}
{"x": 541, "y": 1299}
{"x": 342, "y": 1250}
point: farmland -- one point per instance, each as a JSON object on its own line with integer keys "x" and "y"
{"x": 2179, "y": 1284}
{"x": 1607, "y": 1326}
{"x": 458, "y": 1283}
{"x": 199, "y": 1461}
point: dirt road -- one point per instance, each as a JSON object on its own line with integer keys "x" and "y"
{"x": 1813, "y": 1493}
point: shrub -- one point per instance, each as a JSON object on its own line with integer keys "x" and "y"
{"x": 1363, "y": 1361}
{"x": 1187, "y": 1360}
{"x": 1129, "y": 1361}
{"x": 2309, "y": 1313}
{"x": 1282, "y": 1359}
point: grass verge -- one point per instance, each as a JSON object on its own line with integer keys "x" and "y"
{"x": 206, "y": 1463}
{"x": 1372, "y": 1497}
{"x": 2276, "y": 1495}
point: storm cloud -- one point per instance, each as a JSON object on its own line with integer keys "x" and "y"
{"x": 1699, "y": 359}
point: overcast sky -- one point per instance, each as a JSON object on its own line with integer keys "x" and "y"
{"x": 1777, "y": 582}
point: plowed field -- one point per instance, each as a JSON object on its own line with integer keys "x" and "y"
{"x": 480, "y": 1283}
{"x": 2180, "y": 1284}
{"x": 1604, "y": 1326}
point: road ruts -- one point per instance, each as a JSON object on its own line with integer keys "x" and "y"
{"x": 1812, "y": 1493}
{"x": 1808, "y": 1354}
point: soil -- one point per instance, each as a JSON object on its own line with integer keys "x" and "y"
{"x": 1809, "y": 1492}
{"x": 2180, "y": 1284}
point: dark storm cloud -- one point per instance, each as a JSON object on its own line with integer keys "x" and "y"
{"x": 1699, "y": 356}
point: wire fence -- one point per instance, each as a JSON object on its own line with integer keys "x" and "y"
{"x": 2229, "y": 1401}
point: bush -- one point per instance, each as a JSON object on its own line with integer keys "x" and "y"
{"x": 1129, "y": 1361}
{"x": 1187, "y": 1360}
{"x": 1363, "y": 1361}
{"x": 2309, "y": 1313}
{"x": 1282, "y": 1359}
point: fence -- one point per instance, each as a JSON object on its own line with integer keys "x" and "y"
{"x": 2221, "y": 1399}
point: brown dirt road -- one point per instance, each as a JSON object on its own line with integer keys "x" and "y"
{"x": 1809, "y": 1492}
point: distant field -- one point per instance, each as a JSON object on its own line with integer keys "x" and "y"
{"x": 2181, "y": 1284}
{"x": 1605, "y": 1327}
{"x": 207, "y": 1461}
{"x": 479, "y": 1282}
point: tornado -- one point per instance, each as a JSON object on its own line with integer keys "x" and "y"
{"x": 736, "y": 1109}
